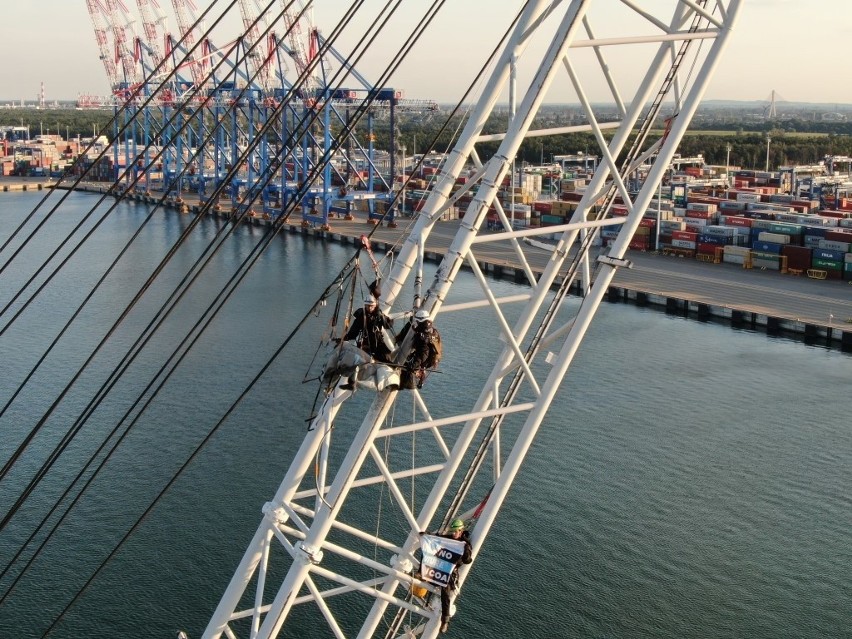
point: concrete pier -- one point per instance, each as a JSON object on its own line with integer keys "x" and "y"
{"x": 819, "y": 311}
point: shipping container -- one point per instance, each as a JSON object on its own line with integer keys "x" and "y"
{"x": 768, "y": 247}
{"x": 770, "y": 263}
{"x": 683, "y": 244}
{"x": 689, "y": 236}
{"x": 834, "y": 246}
{"x": 775, "y": 238}
{"x": 829, "y": 265}
{"x": 737, "y": 221}
{"x": 827, "y": 254}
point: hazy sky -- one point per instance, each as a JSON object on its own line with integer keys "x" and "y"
{"x": 796, "y": 48}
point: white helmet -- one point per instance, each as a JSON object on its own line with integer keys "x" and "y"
{"x": 422, "y": 316}
{"x": 369, "y": 300}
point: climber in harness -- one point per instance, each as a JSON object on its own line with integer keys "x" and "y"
{"x": 443, "y": 553}
{"x": 425, "y": 353}
{"x": 371, "y": 334}
{"x": 371, "y": 331}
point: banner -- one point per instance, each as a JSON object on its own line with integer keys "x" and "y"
{"x": 440, "y": 555}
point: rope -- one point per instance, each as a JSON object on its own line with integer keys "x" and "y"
{"x": 104, "y": 390}
{"x": 187, "y": 462}
{"x": 134, "y": 94}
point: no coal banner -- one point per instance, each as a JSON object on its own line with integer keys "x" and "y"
{"x": 440, "y": 555}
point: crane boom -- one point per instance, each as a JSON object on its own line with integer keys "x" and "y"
{"x": 317, "y": 543}
{"x": 186, "y": 18}
{"x": 102, "y": 33}
{"x": 258, "y": 58}
{"x": 296, "y": 39}
{"x": 121, "y": 24}
{"x": 153, "y": 18}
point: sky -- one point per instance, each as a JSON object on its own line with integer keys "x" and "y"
{"x": 790, "y": 46}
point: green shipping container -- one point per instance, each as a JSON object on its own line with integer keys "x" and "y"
{"x": 787, "y": 229}
{"x": 552, "y": 219}
{"x": 834, "y": 265}
{"x": 759, "y": 255}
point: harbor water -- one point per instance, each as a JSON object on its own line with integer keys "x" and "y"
{"x": 691, "y": 480}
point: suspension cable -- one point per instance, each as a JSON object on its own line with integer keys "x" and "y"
{"x": 101, "y": 394}
{"x": 124, "y": 314}
{"x": 197, "y": 91}
{"x": 133, "y": 96}
{"x": 268, "y": 363}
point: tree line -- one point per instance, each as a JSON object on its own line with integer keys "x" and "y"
{"x": 790, "y": 142}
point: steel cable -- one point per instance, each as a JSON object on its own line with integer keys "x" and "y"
{"x": 133, "y": 96}
{"x": 197, "y": 450}
{"x": 16, "y": 455}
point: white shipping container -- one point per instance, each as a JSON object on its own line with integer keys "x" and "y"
{"x": 684, "y": 244}
{"x": 833, "y": 245}
{"x": 731, "y": 258}
{"x": 696, "y": 221}
{"x": 742, "y": 251}
{"x": 748, "y": 197}
{"x": 777, "y": 238}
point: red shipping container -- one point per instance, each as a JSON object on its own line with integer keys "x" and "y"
{"x": 639, "y": 244}
{"x": 707, "y": 249}
{"x": 699, "y": 215}
{"x": 647, "y": 221}
{"x": 838, "y": 235}
{"x": 798, "y": 257}
{"x": 738, "y": 221}
{"x": 684, "y": 235}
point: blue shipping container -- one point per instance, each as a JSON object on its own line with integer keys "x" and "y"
{"x": 817, "y": 231}
{"x": 768, "y": 247}
{"x": 716, "y": 240}
{"x": 828, "y": 254}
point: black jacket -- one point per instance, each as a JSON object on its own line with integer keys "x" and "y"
{"x": 425, "y": 348}
{"x": 366, "y": 330}
{"x": 467, "y": 555}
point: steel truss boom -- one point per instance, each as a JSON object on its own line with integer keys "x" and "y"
{"x": 320, "y": 548}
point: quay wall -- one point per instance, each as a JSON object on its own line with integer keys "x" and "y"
{"x": 832, "y": 336}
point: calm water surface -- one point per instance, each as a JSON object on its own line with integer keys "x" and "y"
{"x": 690, "y": 481}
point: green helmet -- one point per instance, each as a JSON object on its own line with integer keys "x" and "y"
{"x": 457, "y": 524}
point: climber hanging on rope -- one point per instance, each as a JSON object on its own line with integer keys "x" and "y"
{"x": 371, "y": 332}
{"x": 426, "y": 350}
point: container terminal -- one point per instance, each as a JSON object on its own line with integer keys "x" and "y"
{"x": 227, "y": 132}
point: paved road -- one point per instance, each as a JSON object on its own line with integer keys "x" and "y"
{"x": 799, "y": 298}
{"x": 819, "y": 302}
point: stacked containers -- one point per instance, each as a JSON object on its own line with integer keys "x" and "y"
{"x": 832, "y": 262}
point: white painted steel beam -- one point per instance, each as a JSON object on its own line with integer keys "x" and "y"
{"x": 378, "y": 453}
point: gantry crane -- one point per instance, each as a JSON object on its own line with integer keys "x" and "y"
{"x": 317, "y": 549}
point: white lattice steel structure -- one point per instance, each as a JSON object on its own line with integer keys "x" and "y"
{"x": 320, "y": 563}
